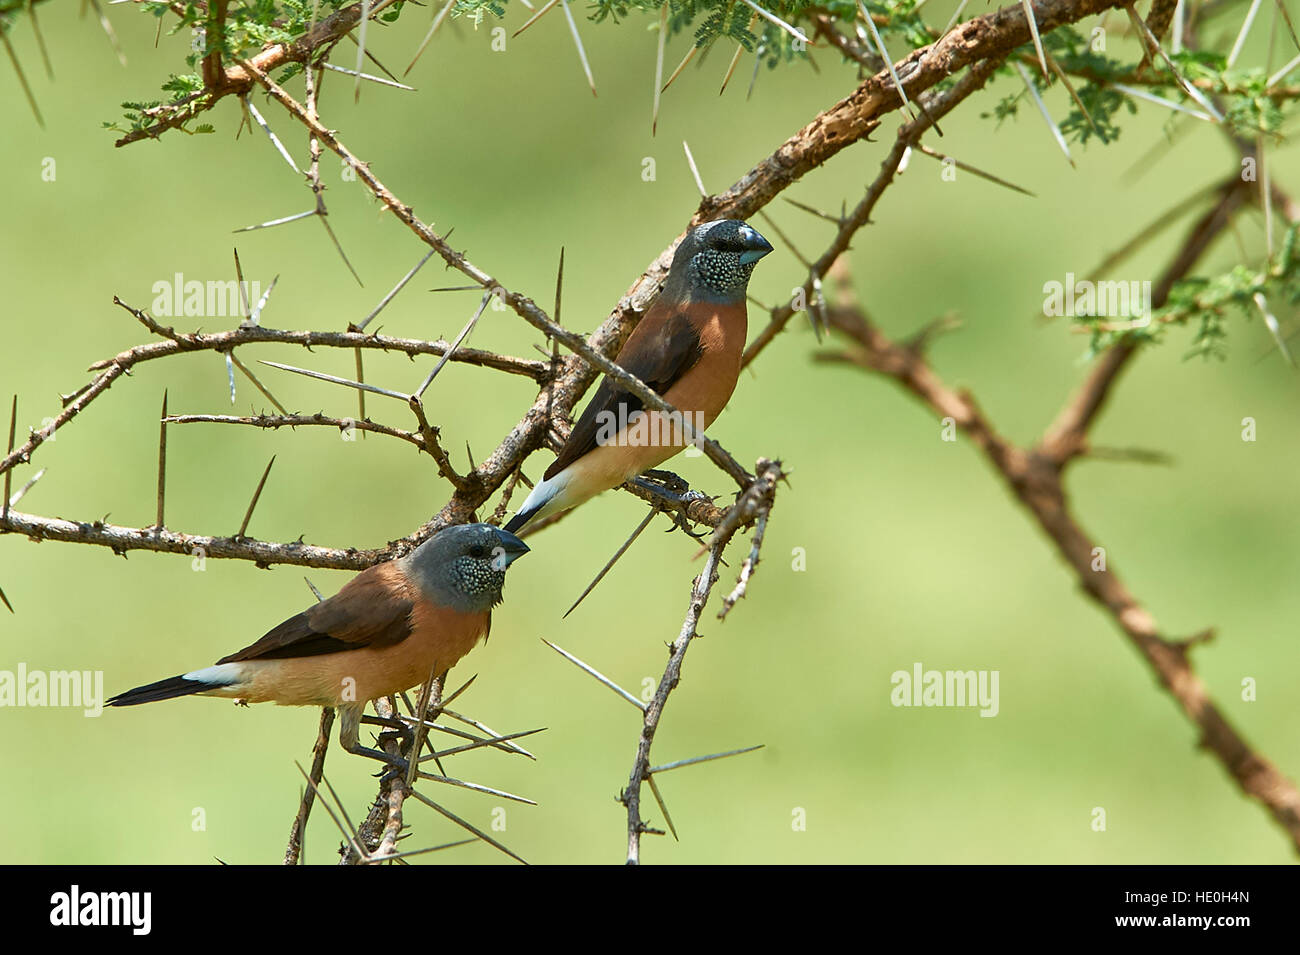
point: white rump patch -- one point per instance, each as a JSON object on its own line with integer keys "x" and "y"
{"x": 223, "y": 674}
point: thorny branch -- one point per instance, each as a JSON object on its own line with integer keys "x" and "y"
{"x": 234, "y": 80}
{"x": 1034, "y": 474}
{"x": 987, "y": 37}
{"x": 293, "y": 854}
{"x": 755, "y": 504}
{"x": 631, "y": 797}
{"x": 934, "y": 108}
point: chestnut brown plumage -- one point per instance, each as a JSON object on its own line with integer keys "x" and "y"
{"x": 386, "y": 630}
{"x": 687, "y": 349}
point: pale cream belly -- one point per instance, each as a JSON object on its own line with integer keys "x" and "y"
{"x": 700, "y": 395}
{"x": 355, "y": 676}
{"x": 649, "y": 440}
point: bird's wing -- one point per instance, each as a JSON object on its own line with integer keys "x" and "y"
{"x": 661, "y": 349}
{"x": 372, "y": 610}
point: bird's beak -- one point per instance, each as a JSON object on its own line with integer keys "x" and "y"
{"x": 755, "y": 245}
{"x": 514, "y": 548}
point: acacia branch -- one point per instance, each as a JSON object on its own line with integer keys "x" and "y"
{"x": 233, "y": 80}
{"x": 120, "y": 539}
{"x": 179, "y": 342}
{"x": 981, "y": 44}
{"x": 1067, "y": 435}
{"x": 992, "y": 36}
{"x": 293, "y": 853}
{"x": 631, "y": 796}
{"x": 1143, "y": 78}
{"x": 377, "y": 835}
{"x": 1034, "y": 476}
{"x": 933, "y": 108}
{"x": 176, "y": 343}
{"x": 273, "y": 422}
{"x": 521, "y": 304}
{"x": 989, "y": 36}
{"x": 754, "y": 503}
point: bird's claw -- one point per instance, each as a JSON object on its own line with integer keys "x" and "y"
{"x": 396, "y": 729}
{"x": 681, "y": 521}
{"x": 667, "y": 481}
{"x": 673, "y": 496}
{"x": 394, "y": 765}
{"x": 396, "y": 769}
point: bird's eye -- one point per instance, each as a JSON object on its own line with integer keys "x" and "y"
{"x": 477, "y": 551}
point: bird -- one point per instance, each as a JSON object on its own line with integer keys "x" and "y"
{"x": 388, "y": 629}
{"x": 687, "y": 349}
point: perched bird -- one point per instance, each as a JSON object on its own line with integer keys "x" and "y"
{"x": 388, "y": 629}
{"x": 687, "y": 348}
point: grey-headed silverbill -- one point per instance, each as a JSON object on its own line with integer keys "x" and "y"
{"x": 687, "y": 348}
{"x": 387, "y": 630}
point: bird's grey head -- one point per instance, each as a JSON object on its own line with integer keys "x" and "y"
{"x": 464, "y": 566}
{"x": 715, "y": 259}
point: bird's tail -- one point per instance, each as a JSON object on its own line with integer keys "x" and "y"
{"x": 517, "y": 522}
{"x": 163, "y": 690}
{"x": 542, "y": 494}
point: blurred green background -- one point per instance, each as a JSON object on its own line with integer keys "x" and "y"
{"x": 915, "y": 553}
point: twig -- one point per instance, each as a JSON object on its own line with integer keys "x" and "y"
{"x": 631, "y": 796}
{"x": 300, "y": 420}
{"x": 293, "y": 854}
{"x": 162, "y": 461}
{"x": 746, "y": 569}
{"x": 522, "y": 305}
{"x": 1034, "y": 475}
{"x": 121, "y": 539}
{"x": 936, "y": 108}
